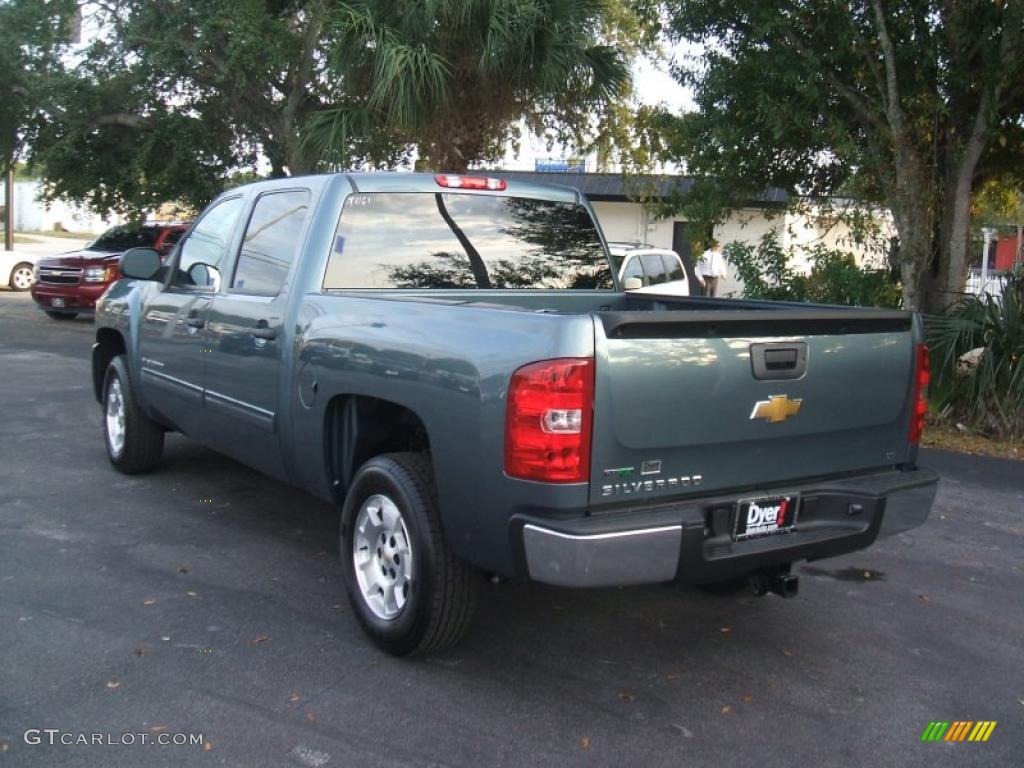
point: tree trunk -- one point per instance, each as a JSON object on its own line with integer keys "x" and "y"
{"x": 912, "y": 213}
{"x": 451, "y": 146}
{"x": 948, "y": 280}
{"x": 276, "y": 156}
{"x": 943, "y": 284}
{"x": 443, "y": 156}
{"x": 297, "y": 161}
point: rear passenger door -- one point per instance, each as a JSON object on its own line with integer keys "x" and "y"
{"x": 247, "y": 333}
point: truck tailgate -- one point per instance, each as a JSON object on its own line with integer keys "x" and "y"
{"x": 698, "y": 402}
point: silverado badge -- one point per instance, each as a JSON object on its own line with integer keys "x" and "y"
{"x": 777, "y": 408}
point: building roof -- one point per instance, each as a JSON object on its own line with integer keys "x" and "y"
{"x": 614, "y": 187}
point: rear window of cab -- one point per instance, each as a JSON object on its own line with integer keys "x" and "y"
{"x": 450, "y": 240}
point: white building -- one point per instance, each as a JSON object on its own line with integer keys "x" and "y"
{"x": 33, "y": 215}
{"x": 799, "y": 228}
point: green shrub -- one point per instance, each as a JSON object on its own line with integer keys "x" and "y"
{"x": 835, "y": 277}
{"x": 987, "y": 394}
{"x": 764, "y": 269}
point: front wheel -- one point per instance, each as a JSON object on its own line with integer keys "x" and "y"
{"x": 21, "y": 277}
{"x": 135, "y": 443}
{"x": 411, "y": 594}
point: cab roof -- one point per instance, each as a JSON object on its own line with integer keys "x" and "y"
{"x": 394, "y": 181}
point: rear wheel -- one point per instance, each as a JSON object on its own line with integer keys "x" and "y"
{"x": 135, "y": 443}
{"x": 21, "y": 277}
{"x": 411, "y": 594}
{"x": 62, "y": 315}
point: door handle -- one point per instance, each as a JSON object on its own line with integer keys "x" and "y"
{"x": 262, "y": 331}
{"x": 194, "y": 321}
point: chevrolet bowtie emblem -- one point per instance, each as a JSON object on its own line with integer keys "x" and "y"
{"x": 777, "y": 408}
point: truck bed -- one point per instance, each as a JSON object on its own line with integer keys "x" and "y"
{"x": 676, "y": 387}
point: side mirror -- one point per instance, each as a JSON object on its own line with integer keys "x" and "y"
{"x": 632, "y": 283}
{"x": 204, "y": 275}
{"x": 140, "y": 263}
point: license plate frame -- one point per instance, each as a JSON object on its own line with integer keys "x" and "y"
{"x": 57, "y": 302}
{"x": 766, "y": 523}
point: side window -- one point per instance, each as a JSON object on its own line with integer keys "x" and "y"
{"x": 674, "y": 267}
{"x": 654, "y": 267}
{"x": 271, "y": 241}
{"x": 171, "y": 239}
{"x": 204, "y": 250}
{"x": 633, "y": 269}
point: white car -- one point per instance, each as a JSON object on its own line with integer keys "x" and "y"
{"x": 16, "y": 269}
{"x": 646, "y": 269}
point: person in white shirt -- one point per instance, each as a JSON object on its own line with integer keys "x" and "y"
{"x": 711, "y": 267}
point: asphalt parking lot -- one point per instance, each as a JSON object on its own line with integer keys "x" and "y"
{"x": 205, "y": 599}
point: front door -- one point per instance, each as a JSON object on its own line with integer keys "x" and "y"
{"x": 174, "y": 342}
{"x": 247, "y": 334}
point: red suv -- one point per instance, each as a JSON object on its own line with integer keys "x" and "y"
{"x": 71, "y": 282}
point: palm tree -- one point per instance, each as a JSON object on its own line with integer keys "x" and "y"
{"x": 454, "y": 77}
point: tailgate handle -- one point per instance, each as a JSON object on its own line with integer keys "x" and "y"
{"x": 779, "y": 360}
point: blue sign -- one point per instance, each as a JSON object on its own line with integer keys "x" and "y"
{"x": 573, "y": 165}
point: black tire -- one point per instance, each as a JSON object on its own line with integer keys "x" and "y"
{"x": 143, "y": 439}
{"x": 17, "y": 282}
{"x": 442, "y": 595}
{"x": 61, "y": 315}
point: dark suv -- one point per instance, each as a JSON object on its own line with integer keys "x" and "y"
{"x": 70, "y": 283}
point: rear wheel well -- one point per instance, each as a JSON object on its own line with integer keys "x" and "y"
{"x": 110, "y": 344}
{"x": 361, "y": 427}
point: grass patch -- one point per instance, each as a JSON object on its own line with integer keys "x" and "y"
{"x": 949, "y": 438}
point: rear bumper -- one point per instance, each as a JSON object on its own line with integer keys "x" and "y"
{"x": 692, "y": 541}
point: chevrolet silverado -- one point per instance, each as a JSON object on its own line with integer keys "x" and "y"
{"x": 451, "y": 360}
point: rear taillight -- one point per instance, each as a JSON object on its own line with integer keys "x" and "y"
{"x": 922, "y": 374}
{"x": 548, "y": 421}
{"x": 470, "y": 182}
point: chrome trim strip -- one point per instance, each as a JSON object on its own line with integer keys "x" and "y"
{"x": 599, "y": 536}
{"x": 171, "y": 379}
{"x": 253, "y": 414}
{"x": 641, "y": 556}
{"x": 173, "y": 385}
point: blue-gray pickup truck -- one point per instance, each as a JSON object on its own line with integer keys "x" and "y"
{"x": 451, "y": 360}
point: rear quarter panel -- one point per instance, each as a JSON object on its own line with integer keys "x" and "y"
{"x": 450, "y": 364}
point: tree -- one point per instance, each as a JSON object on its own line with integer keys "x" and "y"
{"x": 252, "y": 66}
{"x": 174, "y": 97}
{"x": 105, "y": 137}
{"x": 33, "y": 36}
{"x": 908, "y": 103}
{"x": 454, "y": 77}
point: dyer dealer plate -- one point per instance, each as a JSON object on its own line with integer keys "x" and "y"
{"x": 765, "y": 516}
